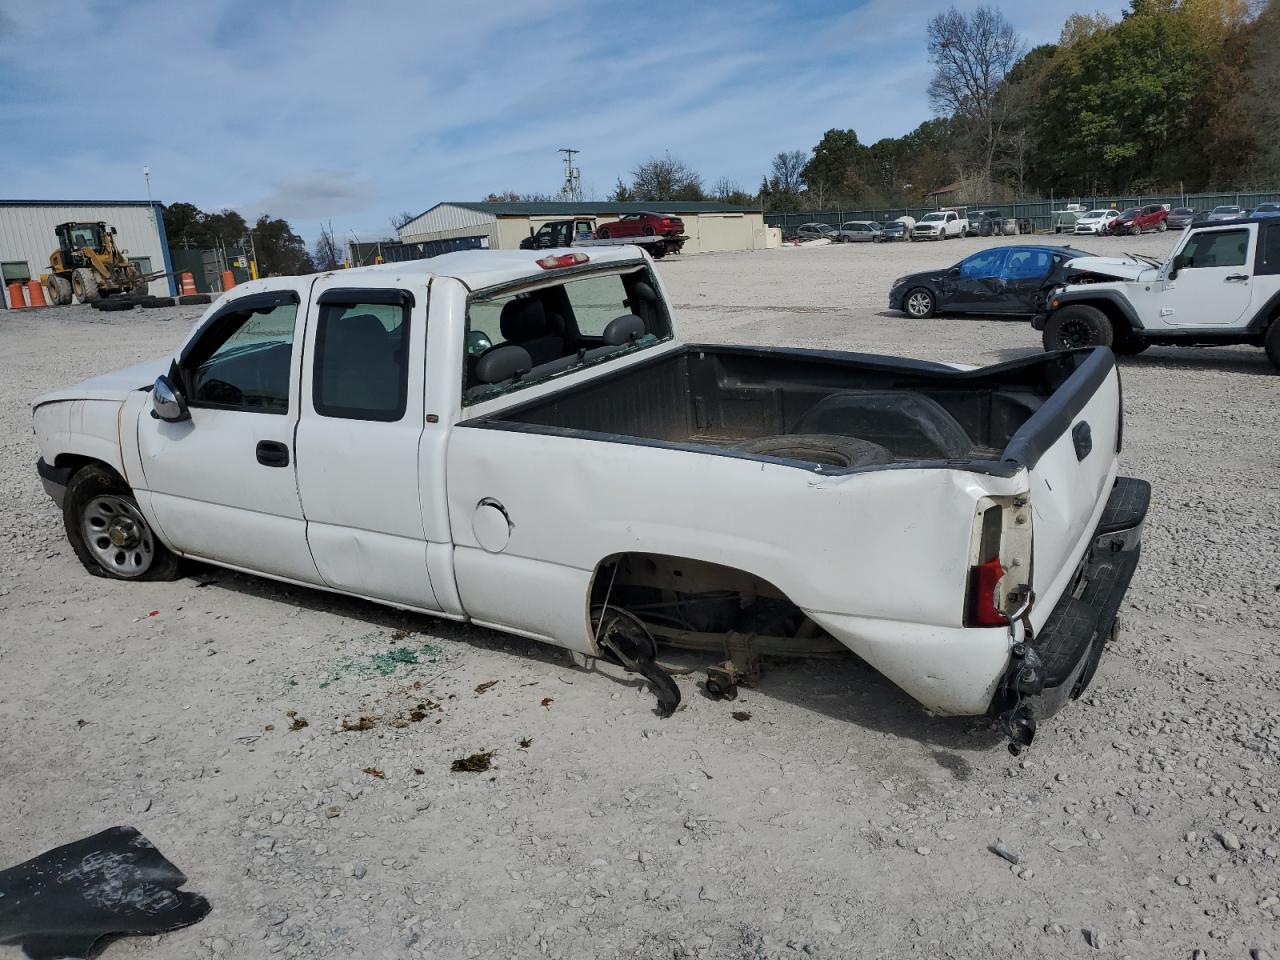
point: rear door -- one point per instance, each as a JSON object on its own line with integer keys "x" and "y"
{"x": 1214, "y": 286}
{"x": 1025, "y": 272}
{"x": 360, "y": 427}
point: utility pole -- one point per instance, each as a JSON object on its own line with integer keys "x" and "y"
{"x": 572, "y": 189}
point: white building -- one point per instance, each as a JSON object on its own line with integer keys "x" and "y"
{"x": 710, "y": 226}
{"x": 27, "y": 236}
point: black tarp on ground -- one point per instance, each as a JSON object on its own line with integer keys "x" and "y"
{"x": 74, "y": 900}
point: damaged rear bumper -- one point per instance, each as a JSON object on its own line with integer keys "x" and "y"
{"x": 1057, "y": 664}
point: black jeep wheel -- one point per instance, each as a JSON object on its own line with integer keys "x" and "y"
{"x": 1076, "y": 326}
{"x": 1272, "y": 343}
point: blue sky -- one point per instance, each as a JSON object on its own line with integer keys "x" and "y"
{"x": 353, "y": 112}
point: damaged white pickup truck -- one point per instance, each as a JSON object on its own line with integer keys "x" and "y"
{"x": 523, "y": 443}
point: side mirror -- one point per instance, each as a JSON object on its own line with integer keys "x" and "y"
{"x": 1180, "y": 262}
{"x": 954, "y": 271}
{"x": 167, "y": 402}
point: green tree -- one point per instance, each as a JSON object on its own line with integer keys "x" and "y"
{"x": 280, "y": 251}
{"x": 184, "y": 225}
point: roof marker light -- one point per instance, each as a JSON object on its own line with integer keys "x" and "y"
{"x": 563, "y": 260}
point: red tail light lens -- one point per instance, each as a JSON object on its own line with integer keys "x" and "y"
{"x": 554, "y": 262}
{"x": 982, "y": 611}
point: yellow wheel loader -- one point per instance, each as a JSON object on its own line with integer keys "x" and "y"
{"x": 89, "y": 265}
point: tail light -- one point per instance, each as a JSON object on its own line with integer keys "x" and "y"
{"x": 982, "y": 607}
{"x": 563, "y": 260}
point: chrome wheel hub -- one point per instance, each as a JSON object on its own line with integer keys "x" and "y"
{"x": 918, "y": 304}
{"x": 118, "y": 536}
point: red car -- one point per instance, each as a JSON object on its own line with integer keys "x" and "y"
{"x": 642, "y": 225}
{"x": 1135, "y": 220}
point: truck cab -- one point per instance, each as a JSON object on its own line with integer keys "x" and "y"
{"x": 1220, "y": 286}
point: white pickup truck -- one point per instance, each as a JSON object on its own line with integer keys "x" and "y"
{"x": 521, "y": 441}
{"x": 941, "y": 225}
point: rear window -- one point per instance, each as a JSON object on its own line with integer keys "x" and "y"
{"x": 580, "y": 321}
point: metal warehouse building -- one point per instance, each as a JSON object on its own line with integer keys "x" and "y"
{"x": 709, "y": 226}
{"x": 27, "y": 237}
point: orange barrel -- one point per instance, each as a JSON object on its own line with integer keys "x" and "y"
{"x": 35, "y": 294}
{"x": 228, "y": 279}
{"x": 188, "y": 285}
{"x": 16, "y": 299}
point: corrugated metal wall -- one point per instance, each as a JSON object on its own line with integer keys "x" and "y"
{"x": 445, "y": 220}
{"x": 26, "y": 233}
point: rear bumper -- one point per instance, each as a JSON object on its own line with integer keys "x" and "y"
{"x": 54, "y": 479}
{"x": 1063, "y": 656}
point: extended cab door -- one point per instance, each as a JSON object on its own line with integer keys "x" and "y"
{"x": 1214, "y": 286}
{"x": 359, "y": 429}
{"x": 221, "y": 485}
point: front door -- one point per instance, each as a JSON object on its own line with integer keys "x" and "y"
{"x": 1214, "y": 285}
{"x": 979, "y": 288}
{"x": 221, "y": 485}
{"x": 359, "y": 432}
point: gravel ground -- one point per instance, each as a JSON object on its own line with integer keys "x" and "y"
{"x": 285, "y": 750}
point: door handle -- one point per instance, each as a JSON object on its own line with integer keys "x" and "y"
{"x": 1236, "y": 278}
{"x": 273, "y": 453}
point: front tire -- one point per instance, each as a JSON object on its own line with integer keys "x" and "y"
{"x": 1077, "y": 326}
{"x": 919, "y": 303}
{"x": 1162, "y": 226}
{"x": 602, "y": 233}
{"x": 108, "y": 532}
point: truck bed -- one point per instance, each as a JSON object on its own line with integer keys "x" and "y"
{"x": 722, "y": 398}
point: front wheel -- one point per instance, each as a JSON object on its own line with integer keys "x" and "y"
{"x": 1162, "y": 226}
{"x": 1135, "y": 230}
{"x": 1076, "y": 326}
{"x": 602, "y": 233}
{"x": 920, "y": 304}
{"x": 108, "y": 532}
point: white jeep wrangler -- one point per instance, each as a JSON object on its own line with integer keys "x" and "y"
{"x": 1220, "y": 286}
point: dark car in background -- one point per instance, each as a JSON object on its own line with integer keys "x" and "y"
{"x": 1001, "y": 280}
{"x": 1137, "y": 220}
{"x": 895, "y": 230}
{"x": 811, "y": 231}
{"x": 1264, "y": 210}
{"x": 642, "y": 225}
{"x": 1181, "y": 217}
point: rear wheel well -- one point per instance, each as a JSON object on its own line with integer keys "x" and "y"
{"x": 695, "y": 604}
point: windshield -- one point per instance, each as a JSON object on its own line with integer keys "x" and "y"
{"x": 1095, "y": 215}
{"x": 562, "y": 326}
{"x": 934, "y": 217}
{"x": 1182, "y": 212}
{"x": 1131, "y": 212}
{"x": 1225, "y": 209}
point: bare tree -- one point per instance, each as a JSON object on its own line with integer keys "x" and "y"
{"x": 971, "y": 55}
{"x": 788, "y": 171}
{"x": 398, "y": 220}
{"x": 328, "y": 255}
{"x": 665, "y": 178}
